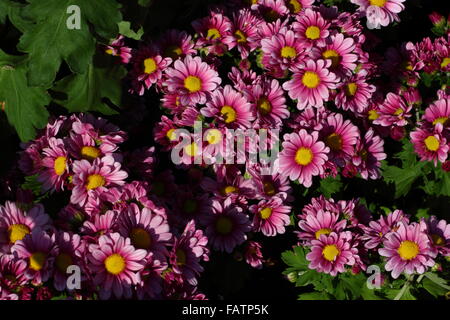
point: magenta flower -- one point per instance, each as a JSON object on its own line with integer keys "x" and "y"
{"x": 430, "y": 145}
{"x": 55, "y": 166}
{"x": 270, "y": 216}
{"x": 407, "y": 250}
{"x": 311, "y": 28}
{"x": 368, "y": 155}
{"x": 355, "y": 93}
{"x": 323, "y": 222}
{"x": 438, "y": 112}
{"x": 311, "y": 83}
{"x": 117, "y": 48}
{"x": 12, "y": 272}
{"x": 192, "y": 79}
{"x": 393, "y": 111}
{"x": 380, "y": 12}
{"x": 438, "y": 232}
{"x": 295, "y": 6}
{"x": 176, "y": 44}
{"x": 115, "y": 265}
{"x": 212, "y": 29}
{"x": 282, "y": 50}
{"x": 253, "y": 255}
{"x": 303, "y": 156}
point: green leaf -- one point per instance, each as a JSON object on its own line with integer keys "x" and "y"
{"x": 407, "y": 155}
{"x": 313, "y": 296}
{"x": 435, "y": 285}
{"x": 13, "y": 11}
{"x": 305, "y": 278}
{"x": 50, "y": 41}
{"x": 442, "y": 182}
{"x": 125, "y": 29}
{"x": 24, "y": 106}
{"x": 145, "y": 3}
{"x": 403, "y": 178}
{"x": 31, "y": 183}
{"x": 330, "y": 185}
{"x": 296, "y": 259}
{"x": 85, "y": 92}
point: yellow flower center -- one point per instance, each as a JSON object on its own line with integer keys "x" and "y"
{"x": 213, "y": 33}
{"x": 432, "y": 143}
{"x": 408, "y": 250}
{"x": 193, "y": 83}
{"x": 294, "y": 6}
{"x": 171, "y": 135}
{"x": 228, "y": 189}
{"x": 269, "y": 188}
{"x": 303, "y": 156}
{"x": 213, "y": 136}
{"x": 333, "y": 56}
{"x": 37, "y": 260}
{"x": 378, "y": 3}
{"x": 437, "y": 240}
{"x": 311, "y": 80}
{"x": 109, "y": 51}
{"x": 17, "y": 232}
{"x": 94, "y": 181}
{"x": 140, "y": 238}
{"x": 191, "y": 149}
{"x": 334, "y": 141}
{"x": 115, "y": 264}
{"x": 150, "y": 65}
{"x": 224, "y": 225}
{"x": 173, "y": 52}
{"x": 63, "y": 261}
{"x": 350, "y": 89}
{"x": 373, "y": 115}
{"x": 445, "y": 62}
{"x": 330, "y": 252}
{"x": 398, "y": 112}
{"x": 265, "y": 213}
{"x": 190, "y": 206}
{"x": 312, "y": 33}
{"x": 264, "y": 106}
{"x": 228, "y": 113}
{"x": 324, "y": 231}
{"x": 441, "y": 120}
{"x": 59, "y": 166}
{"x": 90, "y": 153}
{"x": 240, "y": 36}
{"x": 181, "y": 257}
{"x": 288, "y": 52}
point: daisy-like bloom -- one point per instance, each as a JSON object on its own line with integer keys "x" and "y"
{"x": 39, "y": 250}
{"x": 340, "y": 136}
{"x": 101, "y": 130}
{"x": 99, "y": 224}
{"x": 117, "y": 48}
{"x": 148, "y": 67}
{"x": 438, "y": 112}
{"x": 323, "y": 222}
{"x": 192, "y": 79}
{"x": 380, "y": 12}
{"x": 236, "y": 188}
{"x": 90, "y": 178}
{"x": 430, "y": 145}
{"x": 295, "y": 6}
{"x": 70, "y": 250}
{"x": 147, "y": 230}
{"x": 230, "y": 108}
{"x": 375, "y": 233}
{"x": 243, "y": 79}
{"x": 311, "y": 28}
{"x": 15, "y": 223}
{"x": 282, "y": 50}
{"x": 176, "y": 44}
{"x": 253, "y": 255}
{"x": 84, "y": 146}
{"x": 12, "y": 272}
{"x": 438, "y": 232}
{"x": 270, "y": 216}
{"x": 268, "y": 101}
{"x": 369, "y": 153}
{"x": 331, "y": 253}
{"x": 340, "y": 51}
{"x": 393, "y": 111}
{"x": 271, "y": 10}
{"x": 115, "y": 265}
{"x": 311, "y": 83}
{"x": 212, "y": 29}
{"x": 56, "y": 163}
{"x": 268, "y": 186}
{"x": 165, "y": 134}
{"x": 407, "y": 250}
{"x": 355, "y": 93}
{"x": 244, "y": 35}
{"x": 303, "y": 156}
{"x": 226, "y": 226}
{"x": 187, "y": 252}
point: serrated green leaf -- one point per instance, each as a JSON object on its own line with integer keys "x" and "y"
{"x": 31, "y": 183}
{"x": 313, "y": 296}
{"x": 13, "y": 11}
{"x": 305, "y": 278}
{"x": 125, "y": 29}
{"x": 403, "y": 178}
{"x": 85, "y": 92}
{"x": 24, "y": 106}
{"x": 296, "y": 259}
{"x": 435, "y": 285}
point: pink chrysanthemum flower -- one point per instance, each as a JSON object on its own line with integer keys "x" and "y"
{"x": 12, "y": 272}
{"x": 187, "y": 252}
{"x": 369, "y": 153}
{"x": 268, "y": 101}
{"x": 15, "y": 223}
{"x": 323, "y": 222}
{"x": 303, "y": 156}
{"x": 226, "y": 226}
{"x": 84, "y": 146}
{"x": 393, "y": 111}
{"x": 430, "y": 145}
{"x": 99, "y": 224}
{"x": 380, "y": 12}
{"x": 376, "y": 231}
{"x": 355, "y": 93}
{"x": 176, "y": 44}
{"x": 101, "y": 130}
{"x": 94, "y": 177}
{"x": 117, "y": 48}
{"x": 296, "y": 6}
{"x": 268, "y": 186}
{"x": 330, "y": 253}
{"x": 253, "y": 255}
{"x": 56, "y": 163}
{"x": 311, "y": 28}
{"x": 407, "y": 250}
{"x": 212, "y": 29}
{"x": 438, "y": 112}
{"x": 270, "y": 216}
{"x": 115, "y": 265}
{"x": 147, "y": 230}
{"x": 340, "y": 51}
{"x": 150, "y": 286}
{"x": 39, "y": 250}
{"x": 192, "y": 79}
{"x": 230, "y": 108}
{"x": 271, "y": 10}
{"x": 438, "y": 232}
{"x": 311, "y": 83}
{"x": 148, "y": 67}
